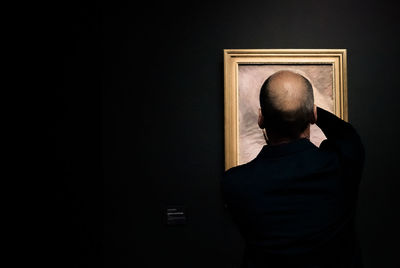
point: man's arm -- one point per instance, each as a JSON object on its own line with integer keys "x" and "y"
{"x": 341, "y": 137}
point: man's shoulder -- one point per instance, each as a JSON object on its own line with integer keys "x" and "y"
{"x": 234, "y": 180}
{"x": 236, "y": 171}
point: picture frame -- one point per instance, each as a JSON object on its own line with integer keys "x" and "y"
{"x": 245, "y": 70}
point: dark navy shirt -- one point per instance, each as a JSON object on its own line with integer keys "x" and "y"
{"x": 294, "y": 203}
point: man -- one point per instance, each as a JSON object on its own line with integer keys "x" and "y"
{"x": 294, "y": 203}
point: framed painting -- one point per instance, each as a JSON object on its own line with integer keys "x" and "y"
{"x": 245, "y": 70}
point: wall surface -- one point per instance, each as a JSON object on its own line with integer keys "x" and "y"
{"x": 136, "y": 123}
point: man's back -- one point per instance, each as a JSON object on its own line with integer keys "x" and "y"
{"x": 294, "y": 203}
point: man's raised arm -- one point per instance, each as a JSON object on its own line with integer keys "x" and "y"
{"x": 341, "y": 136}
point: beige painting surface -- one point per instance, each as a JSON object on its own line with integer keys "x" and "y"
{"x": 250, "y": 80}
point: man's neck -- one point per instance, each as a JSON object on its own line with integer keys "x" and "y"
{"x": 277, "y": 140}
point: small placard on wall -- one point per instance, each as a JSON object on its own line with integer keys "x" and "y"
{"x": 175, "y": 215}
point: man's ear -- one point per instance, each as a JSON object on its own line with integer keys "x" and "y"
{"x": 314, "y": 115}
{"x": 260, "y": 119}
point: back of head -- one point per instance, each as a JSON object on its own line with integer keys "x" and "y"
{"x": 287, "y": 102}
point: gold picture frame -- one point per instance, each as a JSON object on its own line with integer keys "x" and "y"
{"x": 327, "y": 66}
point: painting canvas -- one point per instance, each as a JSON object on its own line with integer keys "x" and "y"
{"x": 251, "y": 78}
{"x": 244, "y": 139}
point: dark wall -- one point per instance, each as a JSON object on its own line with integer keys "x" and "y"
{"x": 136, "y": 123}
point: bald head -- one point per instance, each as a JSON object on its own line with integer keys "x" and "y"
{"x": 287, "y": 90}
{"x": 287, "y": 103}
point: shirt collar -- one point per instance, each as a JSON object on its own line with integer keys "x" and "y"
{"x": 271, "y": 151}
